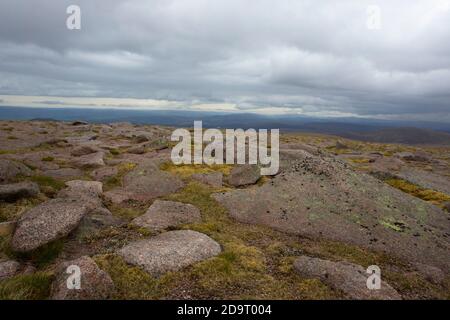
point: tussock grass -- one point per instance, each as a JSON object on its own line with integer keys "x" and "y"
{"x": 44, "y": 255}
{"x": 26, "y": 287}
{"x": 13, "y": 210}
{"x": 187, "y": 170}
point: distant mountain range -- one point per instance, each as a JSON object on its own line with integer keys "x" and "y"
{"x": 409, "y": 132}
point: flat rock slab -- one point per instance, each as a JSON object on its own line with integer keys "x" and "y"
{"x": 165, "y": 214}
{"x": 14, "y": 191}
{"x": 348, "y": 277}
{"x": 322, "y": 197}
{"x": 9, "y": 170}
{"x": 89, "y": 161}
{"x": 47, "y": 222}
{"x": 84, "y": 150}
{"x": 103, "y": 173}
{"x": 147, "y": 182}
{"x": 87, "y": 192}
{"x": 8, "y": 269}
{"x": 243, "y": 175}
{"x": 95, "y": 284}
{"x": 214, "y": 179}
{"x": 64, "y": 173}
{"x": 170, "y": 251}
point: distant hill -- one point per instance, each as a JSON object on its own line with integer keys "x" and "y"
{"x": 387, "y": 131}
{"x": 406, "y": 135}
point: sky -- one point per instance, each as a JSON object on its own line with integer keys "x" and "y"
{"x": 357, "y": 58}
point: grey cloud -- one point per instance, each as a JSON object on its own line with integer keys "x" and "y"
{"x": 311, "y": 56}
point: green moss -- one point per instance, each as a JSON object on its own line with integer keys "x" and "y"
{"x": 132, "y": 282}
{"x": 48, "y": 159}
{"x": 26, "y": 287}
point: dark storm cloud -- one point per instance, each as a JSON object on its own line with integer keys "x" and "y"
{"x": 312, "y": 57}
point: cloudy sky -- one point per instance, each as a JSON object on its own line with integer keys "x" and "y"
{"x": 314, "y": 57}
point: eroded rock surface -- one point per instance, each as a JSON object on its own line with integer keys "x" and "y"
{"x": 322, "y": 197}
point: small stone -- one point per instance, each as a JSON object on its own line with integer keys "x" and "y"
{"x": 9, "y": 170}
{"x": 170, "y": 251}
{"x": 14, "y": 191}
{"x": 137, "y": 150}
{"x": 447, "y": 206}
{"x": 213, "y": 179}
{"x": 64, "y": 173}
{"x": 79, "y": 123}
{"x": 49, "y": 221}
{"x": 432, "y": 274}
{"x": 95, "y": 284}
{"x": 243, "y": 175}
{"x": 87, "y": 192}
{"x": 8, "y": 269}
{"x": 83, "y": 150}
{"x": 348, "y": 277}
{"x": 101, "y": 174}
{"x": 93, "y": 160}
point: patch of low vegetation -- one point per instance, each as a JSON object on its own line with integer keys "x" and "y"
{"x": 187, "y": 170}
{"x": 132, "y": 282}
{"x": 44, "y": 255}
{"x": 247, "y": 268}
{"x": 48, "y": 185}
{"x": 116, "y": 180}
{"x": 5, "y": 250}
{"x": 128, "y": 211}
{"x": 34, "y": 286}
{"x": 338, "y": 251}
{"x": 434, "y": 197}
{"x": 413, "y": 286}
{"x": 13, "y": 210}
{"x": 48, "y": 158}
{"x": 114, "y": 151}
{"x": 359, "y": 160}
